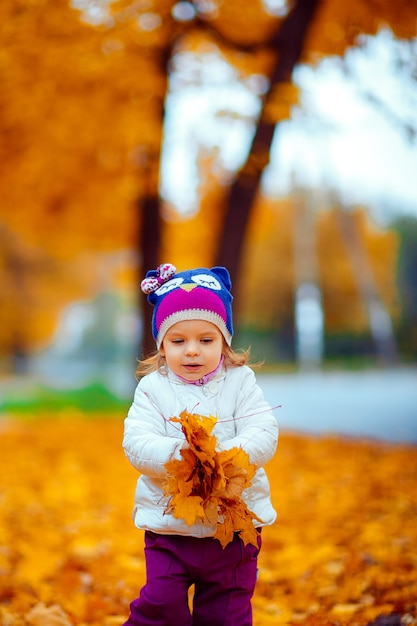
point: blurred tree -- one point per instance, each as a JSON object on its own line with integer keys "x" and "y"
{"x": 286, "y": 46}
{"x": 163, "y": 30}
{"x": 379, "y": 320}
{"x": 310, "y": 31}
{"x": 366, "y": 296}
{"x": 82, "y": 112}
{"x": 71, "y": 167}
{"x": 34, "y": 286}
{"x": 270, "y": 270}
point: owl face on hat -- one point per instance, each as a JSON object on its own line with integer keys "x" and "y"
{"x": 200, "y": 293}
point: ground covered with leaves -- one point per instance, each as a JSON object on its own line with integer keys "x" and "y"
{"x": 343, "y": 551}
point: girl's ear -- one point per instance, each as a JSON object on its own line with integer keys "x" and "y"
{"x": 161, "y": 350}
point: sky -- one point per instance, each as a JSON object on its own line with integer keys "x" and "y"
{"x": 337, "y": 137}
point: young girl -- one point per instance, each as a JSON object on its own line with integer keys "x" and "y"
{"x": 195, "y": 369}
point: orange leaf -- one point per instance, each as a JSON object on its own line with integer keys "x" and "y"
{"x": 197, "y": 430}
{"x": 187, "y": 507}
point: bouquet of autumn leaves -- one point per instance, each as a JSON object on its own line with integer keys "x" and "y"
{"x": 206, "y": 485}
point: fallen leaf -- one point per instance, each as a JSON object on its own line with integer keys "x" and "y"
{"x": 42, "y": 615}
{"x": 345, "y": 537}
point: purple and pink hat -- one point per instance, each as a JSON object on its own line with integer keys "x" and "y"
{"x": 201, "y": 293}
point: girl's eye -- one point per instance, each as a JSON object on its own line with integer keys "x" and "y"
{"x": 177, "y": 341}
{"x": 207, "y": 340}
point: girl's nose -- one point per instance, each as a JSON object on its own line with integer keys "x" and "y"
{"x": 191, "y": 348}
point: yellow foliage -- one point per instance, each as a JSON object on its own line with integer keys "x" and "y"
{"x": 345, "y": 260}
{"x": 206, "y": 485}
{"x": 71, "y": 164}
{"x": 338, "y": 25}
{"x": 81, "y": 131}
{"x": 41, "y": 615}
{"x": 343, "y": 549}
{"x": 267, "y": 284}
{"x": 281, "y": 99}
{"x": 246, "y": 25}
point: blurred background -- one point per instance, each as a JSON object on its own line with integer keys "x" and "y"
{"x": 276, "y": 138}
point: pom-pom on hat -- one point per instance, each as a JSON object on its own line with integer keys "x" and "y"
{"x": 200, "y": 293}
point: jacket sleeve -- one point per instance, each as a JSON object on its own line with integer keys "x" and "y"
{"x": 256, "y": 427}
{"x": 145, "y": 440}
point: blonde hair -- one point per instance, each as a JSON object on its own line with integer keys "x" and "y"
{"x": 156, "y": 362}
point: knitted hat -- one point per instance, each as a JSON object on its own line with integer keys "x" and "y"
{"x": 202, "y": 294}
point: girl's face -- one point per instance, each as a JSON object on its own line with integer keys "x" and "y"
{"x": 192, "y": 348}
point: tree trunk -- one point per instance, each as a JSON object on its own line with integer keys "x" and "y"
{"x": 288, "y": 43}
{"x": 149, "y": 238}
{"x": 149, "y": 244}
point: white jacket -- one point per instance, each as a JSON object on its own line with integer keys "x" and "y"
{"x": 150, "y": 440}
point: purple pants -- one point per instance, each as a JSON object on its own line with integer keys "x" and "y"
{"x": 224, "y": 582}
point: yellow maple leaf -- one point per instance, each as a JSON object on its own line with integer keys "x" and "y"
{"x": 235, "y": 473}
{"x": 224, "y": 532}
{"x": 184, "y": 468}
{"x": 187, "y": 507}
{"x": 238, "y": 517}
{"x": 197, "y": 430}
{"x": 211, "y": 511}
